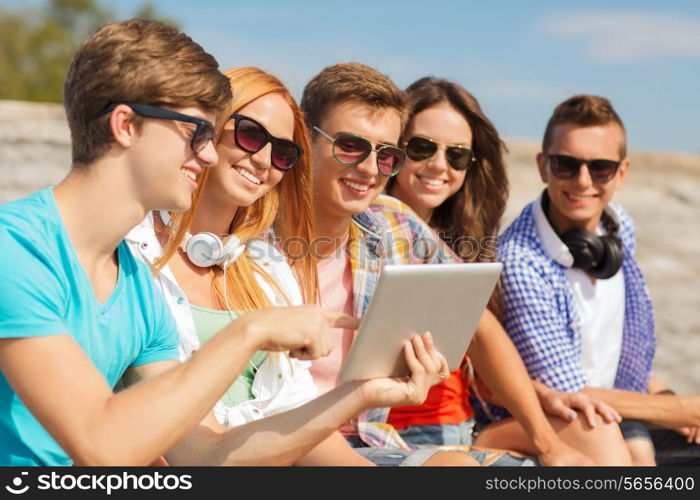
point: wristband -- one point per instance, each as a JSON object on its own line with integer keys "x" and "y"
{"x": 665, "y": 392}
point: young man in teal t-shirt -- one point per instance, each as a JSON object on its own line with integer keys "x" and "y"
{"x": 77, "y": 312}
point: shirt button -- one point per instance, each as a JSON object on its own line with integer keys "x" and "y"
{"x": 180, "y": 300}
{"x": 144, "y": 245}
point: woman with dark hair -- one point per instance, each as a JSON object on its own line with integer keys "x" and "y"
{"x": 434, "y": 185}
{"x": 455, "y": 179}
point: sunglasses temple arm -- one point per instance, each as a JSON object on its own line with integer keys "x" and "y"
{"x": 323, "y": 133}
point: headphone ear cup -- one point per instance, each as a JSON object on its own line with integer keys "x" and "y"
{"x": 612, "y": 262}
{"x": 204, "y": 249}
{"x": 233, "y": 249}
{"x": 586, "y": 248}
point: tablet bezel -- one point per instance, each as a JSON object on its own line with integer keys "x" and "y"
{"x": 441, "y": 298}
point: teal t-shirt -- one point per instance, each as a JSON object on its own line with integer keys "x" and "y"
{"x": 45, "y": 291}
{"x": 208, "y": 322}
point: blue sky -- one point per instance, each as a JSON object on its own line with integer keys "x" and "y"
{"x": 519, "y": 58}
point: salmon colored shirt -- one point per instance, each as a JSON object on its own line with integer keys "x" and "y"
{"x": 335, "y": 283}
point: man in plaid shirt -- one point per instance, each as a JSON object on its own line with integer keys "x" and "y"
{"x": 576, "y": 304}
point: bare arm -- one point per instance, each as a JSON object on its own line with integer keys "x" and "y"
{"x": 664, "y": 410}
{"x": 334, "y": 450}
{"x": 692, "y": 433}
{"x": 491, "y": 351}
{"x": 281, "y": 439}
{"x": 275, "y": 440}
{"x": 64, "y": 390}
{"x": 308, "y": 435}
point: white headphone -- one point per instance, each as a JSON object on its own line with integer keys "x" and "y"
{"x": 207, "y": 249}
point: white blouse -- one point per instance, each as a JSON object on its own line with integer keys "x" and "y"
{"x": 281, "y": 383}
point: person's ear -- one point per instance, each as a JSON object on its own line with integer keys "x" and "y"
{"x": 542, "y": 166}
{"x": 122, "y": 126}
{"x": 622, "y": 172}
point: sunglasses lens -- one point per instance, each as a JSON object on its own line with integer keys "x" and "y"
{"x": 250, "y": 136}
{"x": 390, "y": 160}
{"x": 567, "y": 167}
{"x": 350, "y": 149}
{"x": 459, "y": 158}
{"x": 419, "y": 149}
{"x": 202, "y": 136}
{"x": 285, "y": 154}
{"x": 564, "y": 167}
{"x": 603, "y": 170}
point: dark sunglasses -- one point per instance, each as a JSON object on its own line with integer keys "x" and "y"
{"x": 351, "y": 150}
{"x": 422, "y": 148}
{"x": 204, "y": 132}
{"x": 251, "y": 137}
{"x": 567, "y": 167}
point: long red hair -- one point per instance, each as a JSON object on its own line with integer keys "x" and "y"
{"x": 287, "y": 207}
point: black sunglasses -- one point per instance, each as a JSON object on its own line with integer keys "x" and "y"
{"x": 421, "y": 148}
{"x": 351, "y": 150}
{"x": 567, "y": 167}
{"x": 204, "y": 132}
{"x": 251, "y": 137}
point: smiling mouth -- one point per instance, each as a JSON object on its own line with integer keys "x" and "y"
{"x": 189, "y": 174}
{"x": 574, "y": 197}
{"x": 356, "y": 185}
{"x": 430, "y": 181}
{"x": 248, "y": 175}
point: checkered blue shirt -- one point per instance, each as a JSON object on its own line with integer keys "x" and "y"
{"x": 541, "y": 317}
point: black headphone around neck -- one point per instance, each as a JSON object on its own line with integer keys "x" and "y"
{"x": 601, "y": 256}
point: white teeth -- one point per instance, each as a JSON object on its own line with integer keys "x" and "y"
{"x": 249, "y": 176}
{"x": 432, "y": 182}
{"x": 189, "y": 174}
{"x": 354, "y": 185}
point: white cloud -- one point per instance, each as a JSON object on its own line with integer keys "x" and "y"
{"x": 627, "y": 37}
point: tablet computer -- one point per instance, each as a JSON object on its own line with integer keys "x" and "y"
{"x": 444, "y": 299}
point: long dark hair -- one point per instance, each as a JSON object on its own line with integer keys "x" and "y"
{"x": 475, "y": 211}
{"x": 469, "y": 220}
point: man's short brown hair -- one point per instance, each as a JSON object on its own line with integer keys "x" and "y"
{"x": 354, "y": 82}
{"x": 584, "y": 111}
{"x": 138, "y": 61}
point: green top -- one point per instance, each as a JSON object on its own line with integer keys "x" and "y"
{"x": 208, "y": 322}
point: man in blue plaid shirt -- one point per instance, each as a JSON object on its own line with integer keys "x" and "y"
{"x": 575, "y": 301}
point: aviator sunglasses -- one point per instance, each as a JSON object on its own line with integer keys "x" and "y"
{"x": 458, "y": 157}
{"x": 351, "y": 150}
{"x": 204, "y": 132}
{"x": 567, "y": 167}
{"x": 251, "y": 137}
